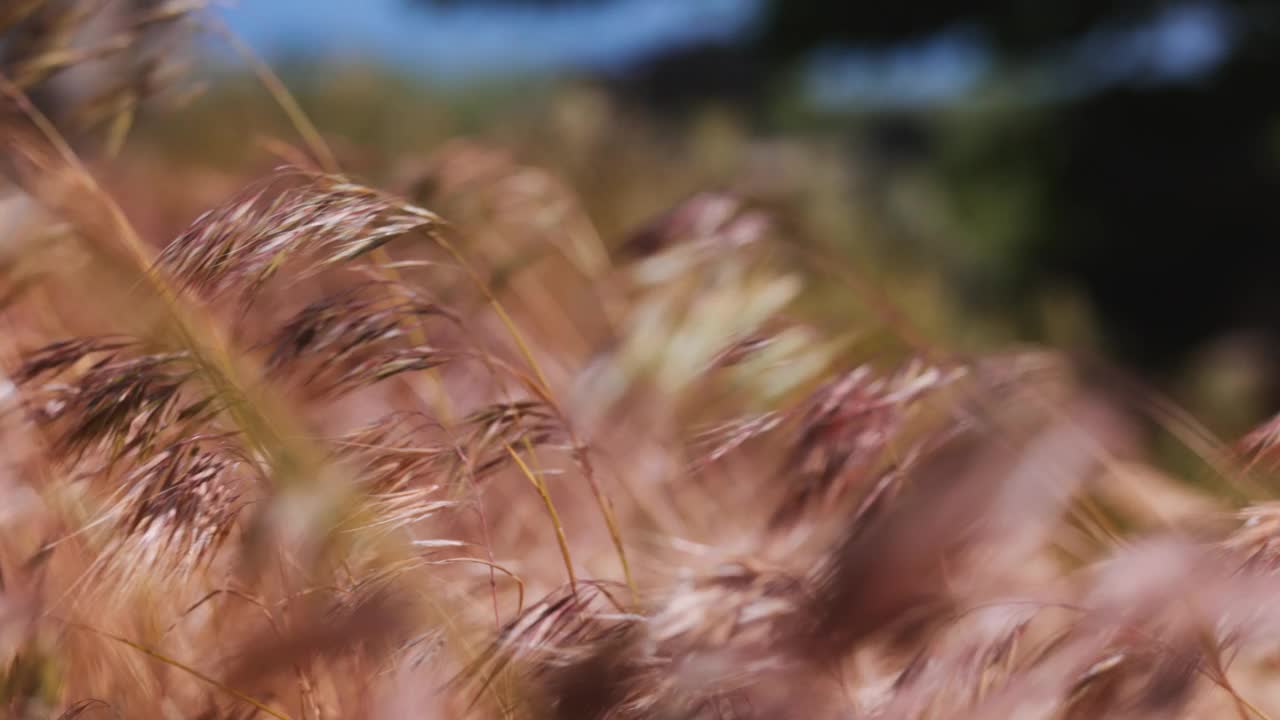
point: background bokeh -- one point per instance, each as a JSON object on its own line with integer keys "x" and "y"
{"x": 1101, "y": 176}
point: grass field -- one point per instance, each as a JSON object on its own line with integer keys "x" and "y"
{"x": 449, "y": 434}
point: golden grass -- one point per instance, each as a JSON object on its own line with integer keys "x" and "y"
{"x": 654, "y": 483}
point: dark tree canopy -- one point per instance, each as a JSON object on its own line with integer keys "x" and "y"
{"x": 1014, "y": 26}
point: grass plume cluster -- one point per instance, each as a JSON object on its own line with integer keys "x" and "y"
{"x": 327, "y": 453}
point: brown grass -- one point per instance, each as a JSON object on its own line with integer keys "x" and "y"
{"x": 328, "y": 454}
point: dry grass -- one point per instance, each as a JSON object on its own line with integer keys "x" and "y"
{"x": 328, "y": 454}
